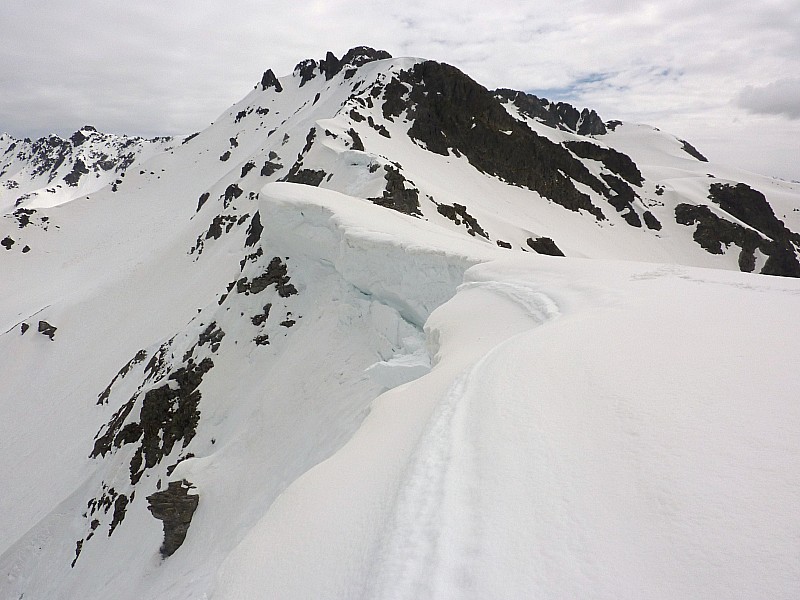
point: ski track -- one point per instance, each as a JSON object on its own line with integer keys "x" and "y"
{"x": 434, "y": 538}
{"x": 539, "y": 306}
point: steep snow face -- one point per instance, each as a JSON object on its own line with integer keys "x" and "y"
{"x": 312, "y": 351}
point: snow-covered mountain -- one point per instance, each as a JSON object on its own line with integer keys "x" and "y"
{"x": 52, "y": 170}
{"x": 380, "y": 332}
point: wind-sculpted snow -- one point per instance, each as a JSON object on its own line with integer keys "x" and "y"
{"x": 396, "y": 262}
{"x": 566, "y": 444}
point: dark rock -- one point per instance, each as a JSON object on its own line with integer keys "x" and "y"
{"x": 254, "y": 230}
{"x": 78, "y": 170}
{"x": 276, "y": 274}
{"x": 559, "y": 115}
{"x": 651, "y": 221}
{"x": 215, "y": 229}
{"x": 270, "y": 168}
{"x": 692, "y": 151}
{"x": 268, "y": 80}
{"x": 713, "y": 231}
{"x": 169, "y": 415}
{"x": 46, "y": 329}
{"x": 175, "y": 507}
{"x": 158, "y": 365}
{"x": 616, "y": 162}
{"x": 287, "y": 323}
{"x": 458, "y": 214}
{"x": 120, "y": 506}
{"x": 78, "y": 548}
{"x": 503, "y": 244}
{"x": 261, "y": 340}
{"x": 357, "y": 143}
{"x": 128, "y": 435}
{"x": 612, "y": 125}
{"x": 361, "y": 55}
{"x": 306, "y": 70}
{"x": 622, "y": 195}
{"x": 544, "y": 245}
{"x": 261, "y": 318}
{"x": 330, "y": 65}
{"x": 396, "y": 195}
{"x": 7, "y": 242}
{"x": 212, "y": 335}
{"x": 202, "y": 200}
{"x": 77, "y": 138}
{"x": 310, "y": 137}
{"x": 451, "y": 111}
{"x": 393, "y": 105}
{"x": 631, "y": 218}
{"x": 780, "y": 261}
{"x": 225, "y": 155}
{"x": 104, "y": 442}
{"x": 381, "y": 129}
{"x": 189, "y": 138}
{"x": 232, "y": 192}
{"x": 751, "y": 207}
{"x": 24, "y": 327}
{"x": 312, "y": 177}
{"x": 590, "y": 123}
{"x": 248, "y": 166}
{"x": 23, "y": 216}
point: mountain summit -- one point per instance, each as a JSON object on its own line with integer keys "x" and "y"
{"x": 380, "y": 332}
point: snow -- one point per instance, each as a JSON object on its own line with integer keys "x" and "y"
{"x": 603, "y": 449}
{"x": 434, "y": 416}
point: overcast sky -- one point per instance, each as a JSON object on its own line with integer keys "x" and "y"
{"x": 724, "y": 75}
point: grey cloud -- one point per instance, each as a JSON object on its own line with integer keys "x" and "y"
{"x": 780, "y": 97}
{"x": 155, "y": 68}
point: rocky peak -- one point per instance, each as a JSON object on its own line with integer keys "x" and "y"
{"x": 361, "y": 55}
{"x": 330, "y": 65}
{"x": 305, "y": 69}
{"x": 558, "y": 115}
{"x": 268, "y": 80}
{"x": 590, "y": 123}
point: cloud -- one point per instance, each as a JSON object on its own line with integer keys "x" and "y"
{"x": 156, "y": 68}
{"x": 780, "y": 97}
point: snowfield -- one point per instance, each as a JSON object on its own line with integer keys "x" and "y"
{"x": 600, "y": 431}
{"x": 336, "y": 362}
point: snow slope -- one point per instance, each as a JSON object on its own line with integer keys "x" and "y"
{"x": 599, "y": 431}
{"x": 303, "y": 318}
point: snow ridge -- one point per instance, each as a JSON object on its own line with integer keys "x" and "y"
{"x": 380, "y": 332}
